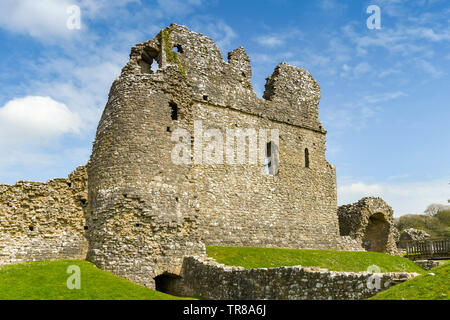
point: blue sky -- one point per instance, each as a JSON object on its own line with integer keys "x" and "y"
{"x": 385, "y": 93}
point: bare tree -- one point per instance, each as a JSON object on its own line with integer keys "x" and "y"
{"x": 434, "y": 208}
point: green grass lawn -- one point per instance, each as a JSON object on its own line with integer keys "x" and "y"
{"x": 424, "y": 287}
{"x": 47, "y": 281}
{"x": 332, "y": 260}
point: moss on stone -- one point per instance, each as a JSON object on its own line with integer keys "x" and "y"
{"x": 167, "y": 45}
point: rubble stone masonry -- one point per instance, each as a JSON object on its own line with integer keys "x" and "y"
{"x": 142, "y": 212}
{"x": 44, "y": 221}
{"x": 148, "y": 212}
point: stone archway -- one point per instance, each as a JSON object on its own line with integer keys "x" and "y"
{"x": 168, "y": 283}
{"x": 376, "y": 234}
{"x": 370, "y": 222}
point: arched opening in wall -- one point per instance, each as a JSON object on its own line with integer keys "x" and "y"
{"x": 154, "y": 66}
{"x": 168, "y": 283}
{"x": 376, "y": 234}
{"x": 307, "y": 164}
{"x": 178, "y": 48}
{"x": 271, "y": 165}
{"x": 149, "y": 60}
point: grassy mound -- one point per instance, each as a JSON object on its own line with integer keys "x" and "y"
{"x": 332, "y": 260}
{"x": 424, "y": 287}
{"x": 47, "y": 281}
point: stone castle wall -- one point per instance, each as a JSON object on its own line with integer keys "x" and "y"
{"x": 206, "y": 278}
{"x": 44, "y": 221}
{"x": 142, "y": 202}
{"x": 144, "y": 215}
{"x": 240, "y": 205}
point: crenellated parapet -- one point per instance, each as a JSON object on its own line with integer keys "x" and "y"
{"x": 291, "y": 96}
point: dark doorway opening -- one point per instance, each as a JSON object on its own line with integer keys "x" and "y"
{"x": 376, "y": 234}
{"x": 168, "y": 283}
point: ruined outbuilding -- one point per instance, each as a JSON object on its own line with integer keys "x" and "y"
{"x": 411, "y": 234}
{"x": 370, "y": 222}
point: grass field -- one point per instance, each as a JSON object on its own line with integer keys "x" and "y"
{"x": 47, "y": 281}
{"x": 424, "y": 287}
{"x": 332, "y": 260}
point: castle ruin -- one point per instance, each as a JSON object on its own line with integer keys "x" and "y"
{"x": 144, "y": 213}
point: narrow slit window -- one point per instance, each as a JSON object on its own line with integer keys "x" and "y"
{"x": 174, "y": 108}
{"x": 271, "y": 165}
{"x": 307, "y": 158}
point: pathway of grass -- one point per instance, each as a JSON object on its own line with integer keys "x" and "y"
{"x": 47, "y": 281}
{"x": 332, "y": 260}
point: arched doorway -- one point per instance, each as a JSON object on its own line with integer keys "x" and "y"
{"x": 168, "y": 283}
{"x": 376, "y": 233}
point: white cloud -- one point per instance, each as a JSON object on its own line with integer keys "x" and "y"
{"x": 178, "y": 7}
{"x": 279, "y": 38}
{"x": 429, "y": 34}
{"x": 430, "y": 69}
{"x": 383, "y": 97}
{"x": 222, "y": 33}
{"x": 30, "y": 163}
{"x": 47, "y": 19}
{"x": 404, "y": 198}
{"x": 331, "y": 5}
{"x": 356, "y": 114}
{"x": 392, "y": 8}
{"x": 357, "y": 71}
{"x": 97, "y": 7}
{"x": 77, "y": 75}
{"x": 401, "y": 39}
{"x": 401, "y": 8}
{"x": 388, "y": 72}
{"x": 35, "y": 118}
{"x": 43, "y": 18}
{"x": 361, "y": 189}
{"x": 270, "y": 41}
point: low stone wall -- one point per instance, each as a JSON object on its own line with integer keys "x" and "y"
{"x": 206, "y": 278}
{"x": 428, "y": 264}
{"x": 44, "y": 221}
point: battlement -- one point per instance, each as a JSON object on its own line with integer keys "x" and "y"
{"x": 292, "y": 95}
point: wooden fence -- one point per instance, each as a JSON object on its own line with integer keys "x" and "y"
{"x": 427, "y": 249}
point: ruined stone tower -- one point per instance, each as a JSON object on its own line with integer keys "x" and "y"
{"x": 147, "y": 212}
